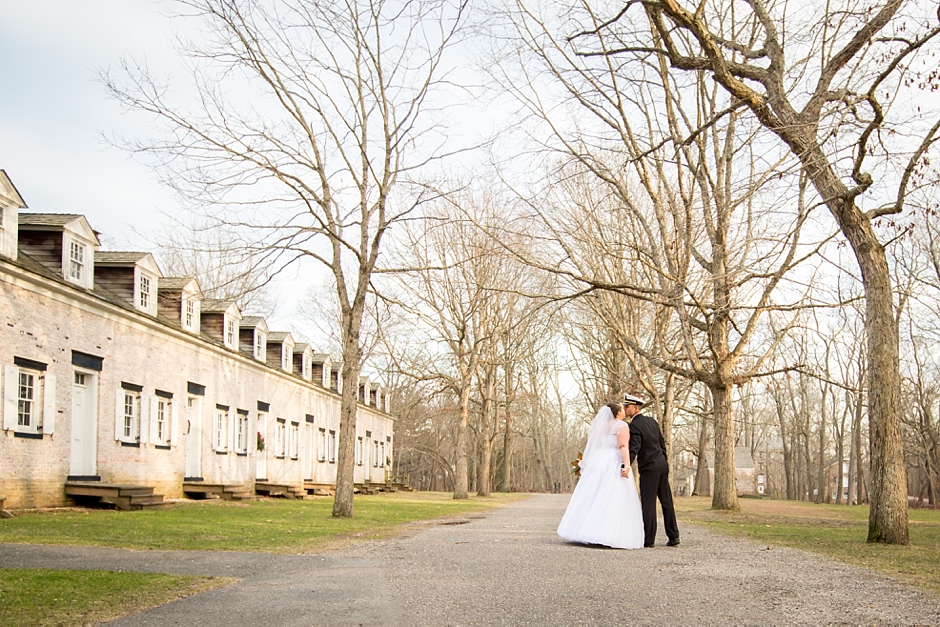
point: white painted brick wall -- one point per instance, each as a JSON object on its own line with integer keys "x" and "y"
{"x": 45, "y": 322}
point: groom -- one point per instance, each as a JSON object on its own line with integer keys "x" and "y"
{"x": 648, "y": 448}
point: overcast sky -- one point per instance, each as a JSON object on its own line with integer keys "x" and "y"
{"x": 53, "y": 111}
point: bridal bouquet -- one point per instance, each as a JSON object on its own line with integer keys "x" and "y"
{"x": 577, "y": 466}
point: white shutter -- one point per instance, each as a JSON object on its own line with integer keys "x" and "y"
{"x": 67, "y": 255}
{"x": 251, "y": 437}
{"x": 174, "y": 421}
{"x": 144, "y": 430}
{"x": 11, "y": 382}
{"x": 154, "y": 434}
{"x": 232, "y": 428}
{"x": 119, "y": 414}
{"x": 48, "y": 405}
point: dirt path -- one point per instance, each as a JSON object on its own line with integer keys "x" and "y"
{"x": 509, "y": 567}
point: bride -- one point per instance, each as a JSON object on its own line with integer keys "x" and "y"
{"x": 605, "y": 508}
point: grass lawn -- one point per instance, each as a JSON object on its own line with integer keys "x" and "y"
{"x": 68, "y": 597}
{"x": 837, "y": 531}
{"x": 270, "y": 525}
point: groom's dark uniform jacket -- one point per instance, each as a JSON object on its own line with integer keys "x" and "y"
{"x": 647, "y": 446}
{"x": 648, "y": 449}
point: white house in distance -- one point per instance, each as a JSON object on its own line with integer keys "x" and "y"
{"x": 114, "y": 375}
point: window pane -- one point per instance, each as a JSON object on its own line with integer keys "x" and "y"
{"x": 130, "y": 406}
{"x": 25, "y": 399}
{"x": 76, "y": 260}
{"x": 144, "y": 292}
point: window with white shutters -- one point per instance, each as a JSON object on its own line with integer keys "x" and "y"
{"x": 28, "y": 398}
{"x": 294, "y": 440}
{"x": 220, "y": 429}
{"x": 280, "y": 438}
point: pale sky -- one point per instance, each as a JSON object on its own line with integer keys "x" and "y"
{"x": 53, "y": 111}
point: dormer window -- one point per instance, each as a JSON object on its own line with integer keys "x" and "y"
{"x": 285, "y": 357}
{"x": 190, "y": 317}
{"x": 230, "y": 332}
{"x": 259, "y": 345}
{"x": 76, "y": 261}
{"x": 144, "y": 295}
{"x": 305, "y": 368}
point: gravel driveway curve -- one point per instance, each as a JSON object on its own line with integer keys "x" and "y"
{"x": 508, "y": 566}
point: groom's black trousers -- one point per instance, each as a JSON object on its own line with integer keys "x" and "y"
{"x": 655, "y": 484}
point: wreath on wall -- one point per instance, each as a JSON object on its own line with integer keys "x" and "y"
{"x": 260, "y": 442}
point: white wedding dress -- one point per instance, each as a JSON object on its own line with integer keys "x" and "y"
{"x": 605, "y": 507}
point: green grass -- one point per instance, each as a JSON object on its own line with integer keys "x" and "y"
{"x": 72, "y": 597}
{"x": 832, "y": 530}
{"x": 272, "y": 526}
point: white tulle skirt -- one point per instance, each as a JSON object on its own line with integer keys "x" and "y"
{"x": 605, "y": 507}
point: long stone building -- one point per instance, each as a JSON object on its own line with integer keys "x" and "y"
{"x": 114, "y": 375}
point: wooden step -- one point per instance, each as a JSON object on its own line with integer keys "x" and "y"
{"x": 319, "y": 489}
{"x": 146, "y": 499}
{"x": 106, "y": 489}
{"x": 122, "y": 496}
{"x": 205, "y": 490}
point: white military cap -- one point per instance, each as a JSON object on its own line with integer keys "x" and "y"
{"x": 630, "y": 399}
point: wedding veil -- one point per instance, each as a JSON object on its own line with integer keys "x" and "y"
{"x": 602, "y": 426}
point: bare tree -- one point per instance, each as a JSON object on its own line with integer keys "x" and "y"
{"x": 685, "y": 209}
{"x": 825, "y": 80}
{"x": 225, "y": 268}
{"x": 452, "y": 271}
{"x": 308, "y": 117}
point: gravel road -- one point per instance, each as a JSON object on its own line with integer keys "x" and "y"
{"x": 508, "y": 566}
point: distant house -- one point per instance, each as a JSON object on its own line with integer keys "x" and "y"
{"x": 745, "y": 477}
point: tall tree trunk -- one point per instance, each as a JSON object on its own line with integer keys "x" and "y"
{"x": 506, "y": 477}
{"x": 346, "y": 455}
{"x": 461, "y": 464}
{"x": 840, "y": 455}
{"x": 724, "y": 493}
{"x": 861, "y": 492}
{"x": 887, "y": 520}
{"x": 702, "y": 483}
{"x": 483, "y": 470}
{"x": 808, "y": 461}
{"x": 852, "y": 498}
{"x": 787, "y": 448}
{"x": 822, "y": 483}
{"x": 669, "y": 412}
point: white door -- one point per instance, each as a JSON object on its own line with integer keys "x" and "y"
{"x": 193, "y": 437}
{"x": 261, "y": 461}
{"x": 84, "y": 453}
{"x": 308, "y": 453}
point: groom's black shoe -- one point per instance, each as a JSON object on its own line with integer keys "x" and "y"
{"x": 648, "y": 546}
{"x": 673, "y": 542}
